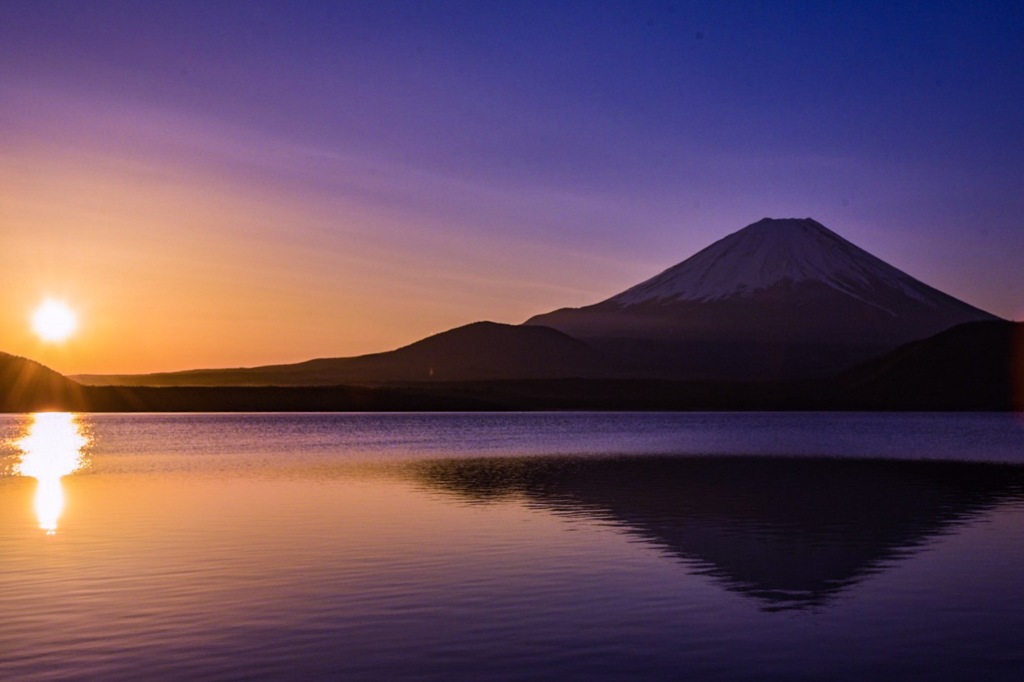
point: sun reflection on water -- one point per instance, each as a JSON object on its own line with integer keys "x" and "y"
{"x": 54, "y": 446}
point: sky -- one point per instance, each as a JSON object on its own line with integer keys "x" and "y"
{"x": 220, "y": 184}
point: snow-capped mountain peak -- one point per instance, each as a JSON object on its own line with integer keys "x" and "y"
{"x": 780, "y": 298}
{"x": 770, "y": 252}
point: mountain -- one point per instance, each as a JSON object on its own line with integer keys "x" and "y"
{"x": 780, "y": 298}
{"x": 478, "y": 351}
{"x": 26, "y": 385}
{"x": 976, "y": 366}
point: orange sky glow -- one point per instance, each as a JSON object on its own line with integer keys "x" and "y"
{"x": 175, "y": 263}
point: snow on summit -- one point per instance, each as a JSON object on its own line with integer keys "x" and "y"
{"x": 770, "y": 252}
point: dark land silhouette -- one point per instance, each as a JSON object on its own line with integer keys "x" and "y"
{"x": 27, "y": 386}
{"x": 789, "y": 532}
{"x": 781, "y": 315}
{"x": 482, "y": 351}
{"x": 978, "y": 366}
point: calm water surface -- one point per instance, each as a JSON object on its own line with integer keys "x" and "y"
{"x": 512, "y": 546}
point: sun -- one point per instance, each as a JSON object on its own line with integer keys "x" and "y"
{"x": 53, "y": 320}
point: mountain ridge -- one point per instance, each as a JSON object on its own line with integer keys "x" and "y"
{"x": 976, "y": 366}
{"x": 479, "y": 350}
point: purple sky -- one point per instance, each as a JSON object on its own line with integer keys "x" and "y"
{"x": 290, "y": 180}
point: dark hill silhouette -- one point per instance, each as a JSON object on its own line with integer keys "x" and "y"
{"x": 976, "y": 366}
{"x": 26, "y": 385}
{"x": 781, "y": 298}
{"x": 788, "y": 532}
{"x": 478, "y": 351}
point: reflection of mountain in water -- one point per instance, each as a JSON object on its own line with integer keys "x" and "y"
{"x": 792, "y": 532}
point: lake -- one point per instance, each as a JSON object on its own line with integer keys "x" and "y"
{"x": 607, "y": 546}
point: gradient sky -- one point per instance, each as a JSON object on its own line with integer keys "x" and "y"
{"x": 223, "y": 184}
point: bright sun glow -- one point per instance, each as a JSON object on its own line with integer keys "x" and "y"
{"x": 53, "y": 320}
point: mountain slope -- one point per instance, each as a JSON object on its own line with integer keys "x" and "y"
{"x": 976, "y": 366}
{"x": 478, "y": 351}
{"x": 26, "y": 386}
{"x": 779, "y": 298}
